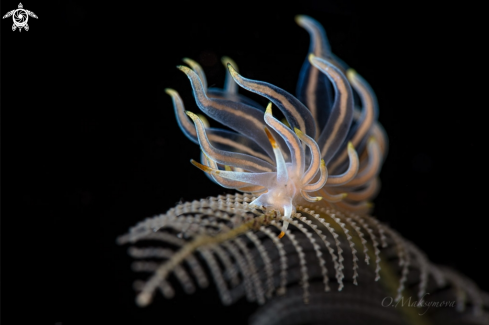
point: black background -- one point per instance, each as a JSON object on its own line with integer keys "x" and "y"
{"x": 92, "y": 145}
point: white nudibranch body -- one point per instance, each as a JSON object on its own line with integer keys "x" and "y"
{"x": 290, "y": 181}
{"x": 286, "y": 164}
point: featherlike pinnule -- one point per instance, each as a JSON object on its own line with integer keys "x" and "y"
{"x": 300, "y": 225}
{"x": 239, "y": 245}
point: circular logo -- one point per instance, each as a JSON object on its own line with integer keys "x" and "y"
{"x": 20, "y": 17}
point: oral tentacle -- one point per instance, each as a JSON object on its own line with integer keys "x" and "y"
{"x": 226, "y": 183}
{"x": 230, "y": 86}
{"x": 313, "y": 88}
{"x": 263, "y": 179}
{"x": 227, "y": 158}
{"x": 282, "y": 174}
{"x": 198, "y": 70}
{"x": 333, "y": 198}
{"x": 365, "y": 122}
{"x": 309, "y": 198}
{"x": 373, "y": 167}
{"x": 321, "y": 181}
{"x": 183, "y": 121}
{"x": 315, "y": 156}
{"x": 295, "y": 112}
{"x": 336, "y": 129}
{"x": 293, "y": 143}
{"x": 230, "y": 90}
{"x": 242, "y": 118}
{"x": 350, "y": 173}
{"x": 365, "y": 193}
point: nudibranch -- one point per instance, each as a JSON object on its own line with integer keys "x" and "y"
{"x": 329, "y": 148}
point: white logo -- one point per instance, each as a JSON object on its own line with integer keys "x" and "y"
{"x": 20, "y": 17}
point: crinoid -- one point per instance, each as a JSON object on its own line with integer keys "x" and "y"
{"x": 300, "y": 230}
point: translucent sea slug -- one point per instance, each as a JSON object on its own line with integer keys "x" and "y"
{"x": 308, "y": 160}
{"x": 307, "y": 182}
